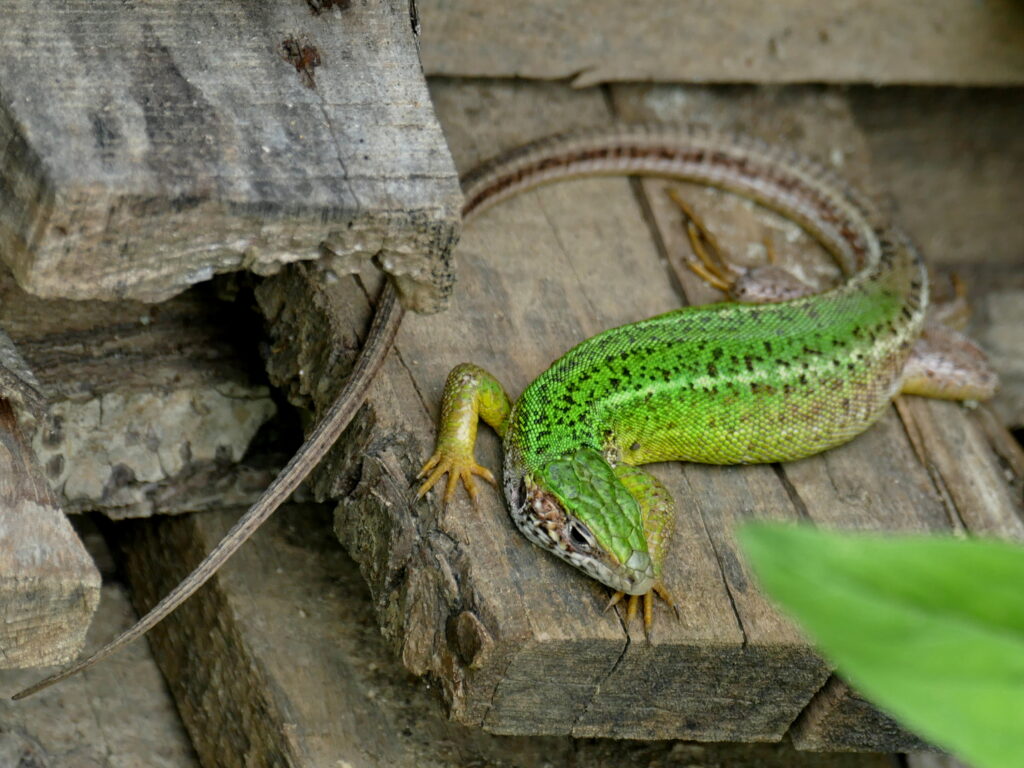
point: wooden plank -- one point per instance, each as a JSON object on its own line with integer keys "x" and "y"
{"x": 933, "y": 760}
{"x": 839, "y": 716}
{"x": 517, "y": 640}
{"x": 151, "y": 407}
{"x": 944, "y": 42}
{"x": 996, "y": 323}
{"x": 946, "y": 162}
{"x": 49, "y": 586}
{"x": 958, "y": 206}
{"x": 163, "y": 143}
{"x": 950, "y": 162}
{"x": 279, "y": 661}
{"x": 116, "y": 714}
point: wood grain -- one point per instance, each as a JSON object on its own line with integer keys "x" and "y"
{"x": 151, "y": 145}
{"x": 116, "y": 715}
{"x": 49, "y": 586}
{"x": 279, "y": 661}
{"x": 876, "y": 482}
{"x": 514, "y": 641}
{"x": 944, "y": 42}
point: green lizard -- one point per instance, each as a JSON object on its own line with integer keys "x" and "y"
{"x": 774, "y": 375}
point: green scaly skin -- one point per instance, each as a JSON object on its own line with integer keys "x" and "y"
{"x": 727, "y": 383}
{"x": 721, "y": 384}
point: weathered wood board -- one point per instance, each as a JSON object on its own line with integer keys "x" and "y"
{"x": 49, "y": 586}
{"x": 839, "y": 718}
{"x": 279, "y": 661}
{"x": 943, "y": 42}
{"x": 516, "y": 640}
{"x": 116, "y": 715}
{"x": 873, "y": 483}
{"x": 949, "y": 162}
{"x": 933, "y": 760}
{"x": 151, "y": 145}
{"x": 152, "y": 407}
{"x": 997, "y": 325}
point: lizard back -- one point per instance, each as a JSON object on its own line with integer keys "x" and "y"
{"x": 727, "y": 383}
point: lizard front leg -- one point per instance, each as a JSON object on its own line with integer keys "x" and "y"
{"x": 658, "y": 512}
{"x": 470, "y": 394}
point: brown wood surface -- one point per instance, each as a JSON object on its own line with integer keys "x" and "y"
{"x": 116, "y": 715}
{"x": 49, "y": 586}
{"x": 516, "y": 640}
{"x": 942, "y": 42}
{"x": 152, "y": 407}
{"x": 997, "y": 323}
{"x": 876, "y": 482}
{"x": 840, "y": 718}
{"x": 151, "y": 145}
{"x": 280, "y": 662}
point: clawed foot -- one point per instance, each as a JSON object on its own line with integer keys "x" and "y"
{"x": 765, "y": 284}
{"x": 709, "y": 265}
{"x": 633, "y": 604}
{"x": 458, "y": 467}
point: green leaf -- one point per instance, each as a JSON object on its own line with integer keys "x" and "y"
{"x": 930, "y": 628}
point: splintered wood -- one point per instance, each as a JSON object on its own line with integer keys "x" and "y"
{"x": 151, "y": 408}
{"x": 149, "y": 146}
{"x": 49, "y": 586}
{"x": 518, "y": 642}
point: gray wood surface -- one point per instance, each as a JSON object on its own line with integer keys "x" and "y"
{"x": 874, "y": 483}
{"x": 49, "y": 586}
{"x": 116, "y": 715}
{"x": 517, "y": 641}
{"x": 152, "y": 408}
{"x": 943, "y": 42}
{"x": 279, "y": 662}
{"x": 152, "y": 145}
{"x": 949, "y": 163}
{"x": 999, "y": 318}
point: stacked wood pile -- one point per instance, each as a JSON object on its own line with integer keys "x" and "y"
{"x": 162, "y": 145}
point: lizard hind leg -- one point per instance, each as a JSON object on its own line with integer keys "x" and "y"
{"x": 948, "y": 303}
{"x": 947, "y": 365}
{"x": 765, "y": 284}
{"x": 657, "y": 510}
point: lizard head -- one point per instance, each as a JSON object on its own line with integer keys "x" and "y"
{"x": 576, "y": 508}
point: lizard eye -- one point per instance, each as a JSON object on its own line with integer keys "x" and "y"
{"x": 580, "y": 536}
